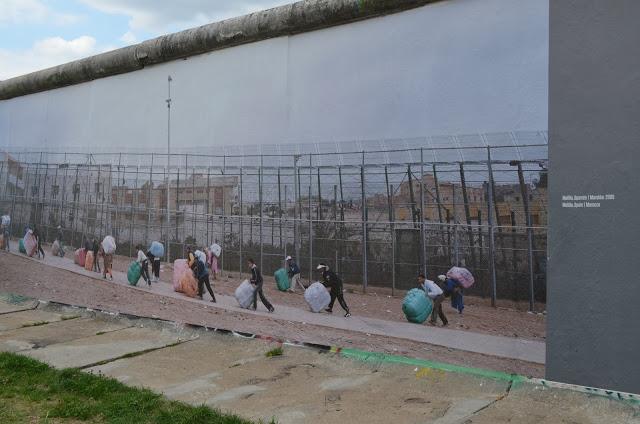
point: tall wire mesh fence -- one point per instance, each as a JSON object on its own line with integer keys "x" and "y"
{"x": 378, "y": 217}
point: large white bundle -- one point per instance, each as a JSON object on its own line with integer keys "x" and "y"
{"x": 317, "y": 297}
{"x": 216, "y": 250}
{"x": 244, "y": 294}
{"x": 109, "y": 245}
{"x": 201, "y": 256}
{"x": 55, "y": 248}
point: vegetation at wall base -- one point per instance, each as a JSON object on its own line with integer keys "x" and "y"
{"x": 31, "y": 391}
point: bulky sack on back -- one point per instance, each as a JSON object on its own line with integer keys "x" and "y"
{"x": 157, "y": 249}
{"x": 180, "y": 266}
{"x": 200, "y": 255}
{"x": 109, "y": 245}
{"x": 317, "y": 297}
{"x": 244, "y": 294}
{"x": 88, "y": 262}
{"x": 416, "y": 306}
{"x": 461, "y": 275}
{"x": 188, "y": 285}
{"x": 216, "y": 249}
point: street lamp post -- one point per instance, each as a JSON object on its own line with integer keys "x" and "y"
{"x": 169, "y": 79}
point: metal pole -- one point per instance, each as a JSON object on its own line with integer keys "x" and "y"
{"x": 146, "y": 237}
{"x": 261, "y": 209}
{"x": 492, "y": 259}
{"x": 169, "y": 79}
{"x": 310, "y": 235}
{"x": 439, "y": 202}
{"x": 527, "y": 215}
{"x": 335, "y": 224}
{"x": 319, "y": 198}
{"x": 342, "y": 226}
{"x": 364, "y": 228}
{"x": 118, "y": 193}
{"x": 241, "y": 222}
{"x": 481, "y": 245}
{"x": 467, "y": 213}
{"x": 280, "y": 207}
{"x": 207, "y": 209}
{"x": 455, "y": 226}
{"x": 391, "y": 227}
{"x": 310, "y": 224}
{"x": 423, "y": 242}
{"x": 224, "y": 216}
{"x": 514, "y": 258}
{"x": 296, "y": 208}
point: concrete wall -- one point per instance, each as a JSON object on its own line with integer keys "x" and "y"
{"x": 593, "y": 337}
{"x": 460, "y": 66}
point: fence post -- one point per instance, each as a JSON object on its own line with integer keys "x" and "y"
{"x": 310, "y": 233}
{"x": 310, "y": 222}
{"x": 261, "y": 208}
{"x": 364, "y": 227}
{"x": 423, "y": 240}
{"x": 296, "y": 208}
{"x": 527, "y": 215}
{"x": 467, "y": 213}
{"x": 492, "y": 259}
{"x": 241, "y": 223}
{"x": 393, "y": 231}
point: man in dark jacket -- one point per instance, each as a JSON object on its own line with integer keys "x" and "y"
{"x": 334, "y": 283}
{"x": 96, "y": 251}
{"x": 256, "y": 280}
{"x": 202, "y": 274}
{"x": 294, "y": 275}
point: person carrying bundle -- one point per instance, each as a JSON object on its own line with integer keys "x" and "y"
{"x": 5, "y": 223}
{"x": 144, "y": 264}
{"x": 38, "y": 237}
{"x": 202, "y": 275}
{"x": 107, "y": 264}
{"x": 294, "y": 275}
{"x": 435, "y": 293}
{"x": 453, "y": 289}
{"x": 96, "y": 253}
{"x": 257, "y": 280}
{"x": 59, "y": 238}
{"x": 155, "y": 266}
{"x": 334, "y": 283}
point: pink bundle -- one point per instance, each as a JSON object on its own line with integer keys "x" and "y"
{"x": 461, "y": 275}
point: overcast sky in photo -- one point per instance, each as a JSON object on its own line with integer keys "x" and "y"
{"x": 37, "y": 34}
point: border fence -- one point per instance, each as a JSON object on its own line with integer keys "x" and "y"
{"x": 377, "y": 216}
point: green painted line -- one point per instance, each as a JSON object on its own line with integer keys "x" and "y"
{"x": 377, "y": 357}
{"x": 515, "y": 379}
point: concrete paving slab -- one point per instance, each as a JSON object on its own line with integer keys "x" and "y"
{"x": 506, "y": 347}
{"x": 302, "y": 386}
{"x": 534, "y": 404}
{"x": 28, "y": 318}
{"x": 91, "y": 350}
{"x": 11, "y": 303}
{"x": 54, "y": 333}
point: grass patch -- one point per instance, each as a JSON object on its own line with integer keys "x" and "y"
{"x": 274, "y": 352}
{"x": 31, "y": 391}
{"x": 35, "y": 324}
